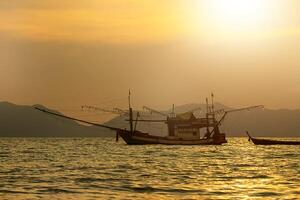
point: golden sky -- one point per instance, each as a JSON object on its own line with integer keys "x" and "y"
{"x": 73, "y": 52}
{"x": 116, "y": 21}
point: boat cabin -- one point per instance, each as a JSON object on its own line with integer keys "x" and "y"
{"x": 187, "y": 126}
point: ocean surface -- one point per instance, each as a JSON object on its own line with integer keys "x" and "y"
{"x": 100, "y": 168}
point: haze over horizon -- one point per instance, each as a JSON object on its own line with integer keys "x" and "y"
{"x": 69, "y": 53}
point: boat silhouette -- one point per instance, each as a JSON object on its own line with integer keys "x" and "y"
{"x": 257, "y": 141}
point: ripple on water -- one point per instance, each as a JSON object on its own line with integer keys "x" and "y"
{"x": 99, "y": 168}
{"x": 56, "y": 190}
{"x": 266, "y": 194}
{"x": 12, "y": 192}
{"x": 149, "y": 189}
{"x": 91, "y": 180}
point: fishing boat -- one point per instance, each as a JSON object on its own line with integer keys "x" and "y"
{"x": 271, "y": 142}
{"x": 183, "y": 129}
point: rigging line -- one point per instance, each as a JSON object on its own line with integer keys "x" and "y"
{"x": 85, "y": 111}
{"x": 99, "y": 112}
{"x": 60, "y": 107}
{"x": 70, "y": 110}
{"x": 91, "y": 115}
{"x": 112, "y": 101}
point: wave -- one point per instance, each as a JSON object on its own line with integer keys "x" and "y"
{"x": 147, "y": 189}
{"x": 56, "y": 190}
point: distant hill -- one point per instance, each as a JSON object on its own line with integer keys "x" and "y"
{"x": 25, "y": 121}
{"x": 268, "y": 123}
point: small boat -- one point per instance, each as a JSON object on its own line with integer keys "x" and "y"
{"x": 271, "y": 142}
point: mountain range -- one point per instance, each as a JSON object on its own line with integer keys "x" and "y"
{"x": 25, "y": 121}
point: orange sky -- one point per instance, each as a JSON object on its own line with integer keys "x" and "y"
{"x": 73, "y": 52}
{"x": 116, "y": 21}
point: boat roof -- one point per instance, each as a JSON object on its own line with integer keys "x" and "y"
{"x": 185, "y": 116}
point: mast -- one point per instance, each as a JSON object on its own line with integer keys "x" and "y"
{"x": 207, "y": 117}
{"x": 212, "y": 105}
{"x": 136, "y": 120}
{"x": 130, "y": 114}
{"x": 216, "y": 129}
{"x": 173, "y": 115}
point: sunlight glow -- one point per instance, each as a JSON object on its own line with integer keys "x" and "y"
{"x": 237, "y": 20}
{"x": 238, "y": 12}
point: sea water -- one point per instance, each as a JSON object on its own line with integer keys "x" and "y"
{"x": 100, "y": 168}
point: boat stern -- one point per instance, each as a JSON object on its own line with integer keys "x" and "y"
{"x": 219, "y": 138}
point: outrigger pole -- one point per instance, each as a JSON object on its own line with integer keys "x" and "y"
{"x": 233, "y": 110}
{"x": 79, "y": 120}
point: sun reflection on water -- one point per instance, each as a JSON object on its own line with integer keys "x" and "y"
{"x": 92, "y": 168}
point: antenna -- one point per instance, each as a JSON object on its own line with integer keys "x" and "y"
{"x": 129, "y": 103}
{"x": 207, "y": 113}
{"x": 207, "y": 106}
{"x": 212, "y": 102}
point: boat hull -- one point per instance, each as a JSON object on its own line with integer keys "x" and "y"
{"x": 273, "y": 142}
{"x": 139, "y": 138}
